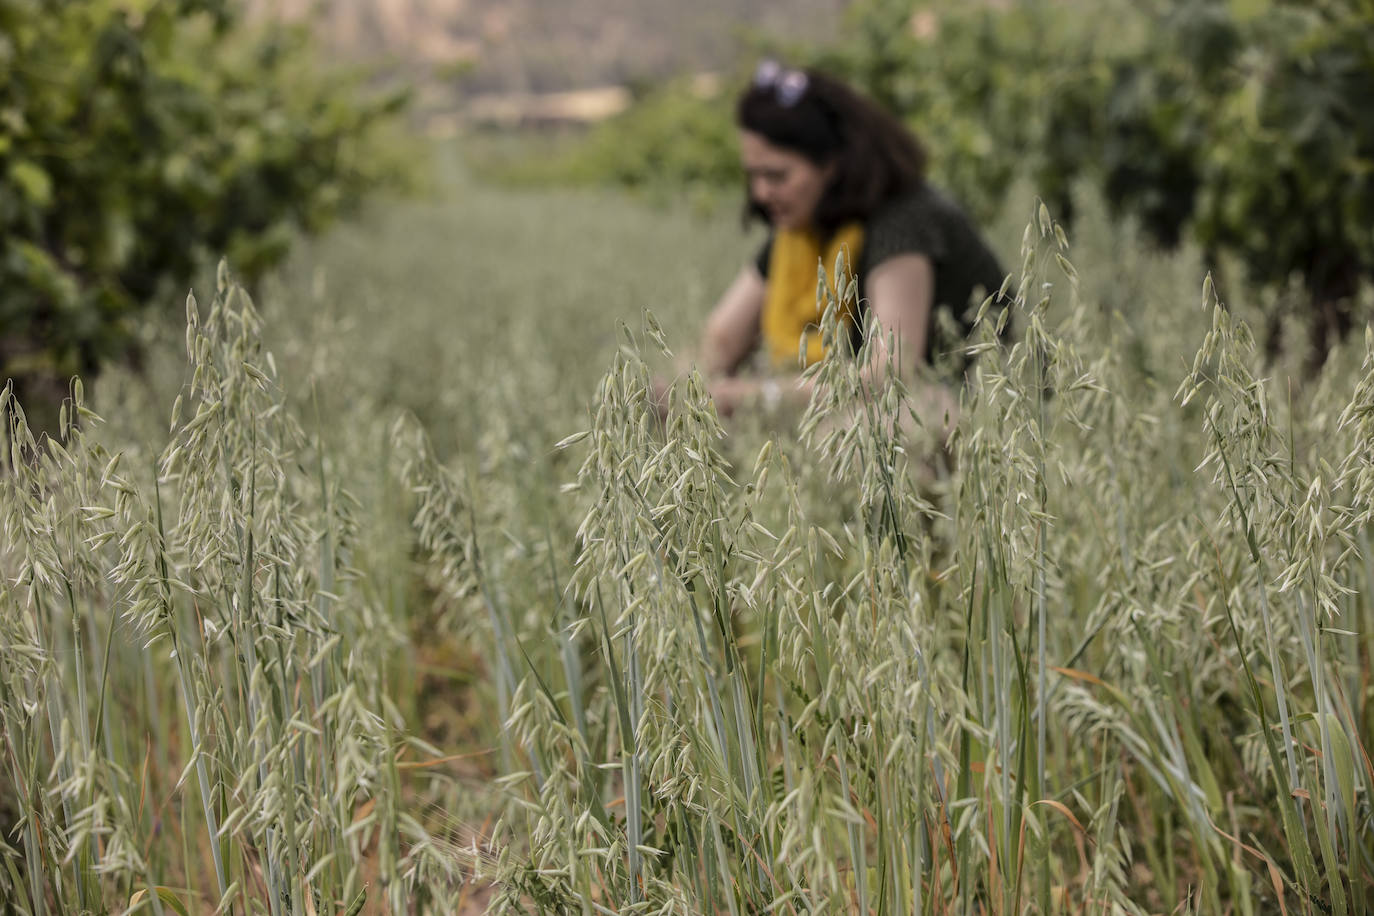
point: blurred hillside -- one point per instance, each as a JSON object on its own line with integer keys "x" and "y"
{"x": 510, "y": 46}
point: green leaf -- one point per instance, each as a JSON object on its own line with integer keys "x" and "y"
{"x": 32, "y": 181}
{"x": 165, "y": 895}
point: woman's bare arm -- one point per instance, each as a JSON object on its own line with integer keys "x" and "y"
{"x": 901, "y": 294}
{"x": 732, "y": 329}
{"x": 901, "y": 291}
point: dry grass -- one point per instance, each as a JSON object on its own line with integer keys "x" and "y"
{"x": 1115, "y": 660}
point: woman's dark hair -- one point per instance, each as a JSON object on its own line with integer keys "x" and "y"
{"x": 873, "y": 156}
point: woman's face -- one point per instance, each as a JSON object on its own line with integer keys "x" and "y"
{"x": 783, "y": 182}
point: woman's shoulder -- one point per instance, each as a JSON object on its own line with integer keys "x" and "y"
{"x": 924, "y": 203}
{"x": 919, "y": 220}
{"x": 923, "y": 220}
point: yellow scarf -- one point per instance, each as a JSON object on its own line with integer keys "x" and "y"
{"x": 791, "y": 315}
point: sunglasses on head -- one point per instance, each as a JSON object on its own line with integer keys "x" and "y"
{"x": 788, "y": 85}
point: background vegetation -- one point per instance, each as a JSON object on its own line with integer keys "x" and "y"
{"x": 514, "y": 46}
{"x": 1236, "y": 123}
{"x": 142, "y": 140}
{"x": 387, "y": 594}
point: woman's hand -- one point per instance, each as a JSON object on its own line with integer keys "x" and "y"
{"x": 731, "y": 393}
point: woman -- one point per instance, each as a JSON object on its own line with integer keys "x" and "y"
{"x": 830, "y": 171}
